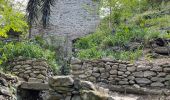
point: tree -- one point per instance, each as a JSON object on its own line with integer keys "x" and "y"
{"x": 35, "y": 8}
{"x": 11, "y": 19}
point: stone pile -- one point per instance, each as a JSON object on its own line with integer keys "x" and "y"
{"x": 31, "y": 69}
{"x": 65, "y": 88}
{"x": 115, "y": 72}
{"x": 8, "y": 86}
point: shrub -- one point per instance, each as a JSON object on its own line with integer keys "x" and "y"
{"x": 12, "y": 50}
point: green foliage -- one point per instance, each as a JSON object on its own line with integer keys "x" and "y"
{"x": 11, "y": 19}
{"x": 12, "y": 50}
{"x": 133, "y": 21}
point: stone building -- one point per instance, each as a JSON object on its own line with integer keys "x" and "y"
{"x": 74, "y": 18}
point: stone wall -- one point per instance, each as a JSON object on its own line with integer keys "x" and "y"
{"x": 31, "y": 69}
{"x": 114, "y": 72}
{"x": 75, "y": 17}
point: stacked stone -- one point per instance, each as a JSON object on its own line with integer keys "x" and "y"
{"x": 122, "y": 73}
{"x": 31, "y": 69}
{"x": 6, "y": 83}
{"x": 65, "y": 88}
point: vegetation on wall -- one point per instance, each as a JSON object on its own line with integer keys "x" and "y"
{"x": 126, "y": 22}
{"x": 11, "y": 19}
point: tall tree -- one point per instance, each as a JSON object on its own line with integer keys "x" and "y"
{"x": 35, "y": 8}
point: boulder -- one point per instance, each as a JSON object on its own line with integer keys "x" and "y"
{"x": 93, "y": 95}
{"x": 86, "y": 85}
{"x": 61, "y": 81}
{"x": 142, "y": 81}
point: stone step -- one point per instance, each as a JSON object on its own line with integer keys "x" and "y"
{"x": 34, "y": 86}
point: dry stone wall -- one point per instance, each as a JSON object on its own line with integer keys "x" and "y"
{"x": 31, "y": 69}
{"x": 114, "y": 72}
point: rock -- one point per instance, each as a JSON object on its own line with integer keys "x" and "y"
{"x": 5, "y": 91}
{"x": 127, "y": 73}
{"x": 96, "y": 74}
{"x": 131, "y": 82}
{"x": 114, "y": 67}
{"x": 108, "y": 67}
{"x": 35, "y": 80}
{"x": 113, "y": 72}
{"x": 61, "y": 81}
{"x": 34, "y": 86}
{"x": 142, "y": 80}
{"x": 138, "y": 74}
{"x": 167, "y": 70}
{"x": 27, "y": 72}
{"x": 120, "y": 73}
{"x": 131, "y": 69}
{"x": 167, "y": 77}
{"x": 149, "y": 74}
{"x": 92, "y": 79}
{"x": 82, "y": 76}
{"x": 17, "y": 67}
{"x": 68, "y": 98}
{"x": 76, "y": 67}
{"x": 122, "y": 67}
{"x": 123, "y": 82}
{"x": 55, "y": 96}
{"x": 156, "y": 68}
{"x": 162, "y": 74}
{"x": 76, "y": 97}
{"x": 93, "y": 95}
{"x": 32, "y": 75}
{"x": 131, "y": 77}
{"x": 161, "y": 50}
{"x": 75, "y": 61}
{"x": 3, "y": 82}
{"x": 96, "y": 69}
{"x": 88, "y": 73}
{"x": 143, "y": 68}
{"x": 158, "y": 79}
{"x": 157, "y": 84}
{"x": 28, "y": 68}
{"x": 111, "y": 98}
{"x": 102, "y": 70}
{"x": 40, "y": 76}
{"x": 104, "y": 75}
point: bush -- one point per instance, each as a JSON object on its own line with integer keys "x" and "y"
{"x": 12, "y": 50}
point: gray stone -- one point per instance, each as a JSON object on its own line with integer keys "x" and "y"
{"x": 131, "y": 82}
{"x": 131, "y": 69}
{"x": 76, "y": 67}
{"x": 82, "y": 76}
{"x": 32, "y": 75}
{"x": 104, "y": 75}
{"x": 76, "y": 97}
{"x": 35, "y": 80}
{"x": 142, "y": 80}
{"x": 114, "y": 67}
{"x": 157, "y": 84}
{"x": 61, "y": 81}
{"x": 167, "y": 77}
{"x": 127, "y": 73}
{"x": 68, "y": 98}
{"x": 28, "y": 68}
{"x": 113, "y": 72}
{"x": 108, "y": 67}
{"x": 158, "y": 79}
{"x": 138, "y": 74}
{"x": 27, "y": 72}
{"x": 75, "y": 60}
{"x": 5, "y": 91}
{"x": 161, "y": 74}
{"x": 96, "y": 69}
{"x": 88, "y": 73}
{"x": 123, "y": 82}
{"x": 122, "y": 67}
{"x": 120, "y": 73}
{"x": 34, "y": 86}
{"x": 149, "y": 74}
{"x": 93, "y": 79}
{"x": 156, "y": 68}
{"x": 167, "y": 70}
{"x": 102, "y": 70}
{"x": 96, "y": 74}
{"x": 86, "y": 85}
{"x": 131, "y": 77}
{"x": 143, "y": 68}
{"x": 40, "y": 76}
